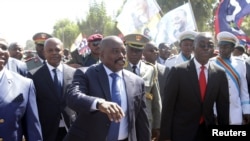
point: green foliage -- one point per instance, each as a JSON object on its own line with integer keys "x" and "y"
{"x": 97, "y": 21}
{"x": 66, "y": 31}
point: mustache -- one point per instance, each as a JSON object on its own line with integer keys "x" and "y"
{"x": 120, "y": 60}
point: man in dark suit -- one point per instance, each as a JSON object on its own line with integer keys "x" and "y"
{"x": 91, "y": 95}
{"x": 54, "y": 115}
{"x": 188, "y": 103}
{"x": 18, "y": 107}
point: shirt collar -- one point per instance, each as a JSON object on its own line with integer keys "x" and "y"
{"x": 59, "y": 67}
{"x": 198, "y": 65}
{"x": 108, "y": 71}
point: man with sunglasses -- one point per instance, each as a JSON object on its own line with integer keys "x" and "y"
{"x": 93, "y": 43}
{"x": 38, "y": 60}
{"x": 91, "y": 58}
{"x": 190, "y": 92}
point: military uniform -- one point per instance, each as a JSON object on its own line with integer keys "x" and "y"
{"x": 89, "y": 60}
{"x": 238, "y": 90}
{"x": 36, "y": 61}
{"x": 149, "y": 74}
{"x": 179, "y": 58}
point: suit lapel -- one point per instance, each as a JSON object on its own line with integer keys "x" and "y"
{"x": 66, "y": 77}
{"x": 48, "y": 79}
{"x": 210, "y": 79}
{"x": 104, "y": 81}
{"x": 6, "y": 87}
{"x": 129, "y": 86}
{"x": 194, "y": 79}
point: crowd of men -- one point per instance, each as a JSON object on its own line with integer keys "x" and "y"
{"x": 125, "y": 89}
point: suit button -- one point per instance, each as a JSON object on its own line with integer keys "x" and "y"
{"x": 1, "y": 121}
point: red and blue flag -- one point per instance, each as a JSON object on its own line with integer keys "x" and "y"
{"x": 229, "y": 16}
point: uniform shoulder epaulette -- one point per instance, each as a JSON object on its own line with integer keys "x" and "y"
{"x": 172, "y": 57}
{"x": 29, "y": 59}
{"x": 148, "y": 63}
{"x": 239, "y": 59}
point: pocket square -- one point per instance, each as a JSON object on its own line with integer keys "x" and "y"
{"x": 19, "y": 98}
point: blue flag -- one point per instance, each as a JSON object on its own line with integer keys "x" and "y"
{"x": 229, "y": 16}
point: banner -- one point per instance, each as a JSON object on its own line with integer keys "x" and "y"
{"x": 139, "y": 16}
{"x": 229, "y": 16}
{"x": 174, "y": 22}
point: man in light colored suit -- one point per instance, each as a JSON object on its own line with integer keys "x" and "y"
{"x": 91, "y": 95}
{"x": 151, "y": 53}
{"x": 235, "y": 69}
{"x": 18, "y": 107}
{"x": 54, "y": 115}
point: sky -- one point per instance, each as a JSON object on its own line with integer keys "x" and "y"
{"x": 21, "y": 19}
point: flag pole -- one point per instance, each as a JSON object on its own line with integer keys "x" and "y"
{"x": 193, "y": 14}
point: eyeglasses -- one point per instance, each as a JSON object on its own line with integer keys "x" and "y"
{"x": 96, "y": 43}
{"x": 209, "y": 45}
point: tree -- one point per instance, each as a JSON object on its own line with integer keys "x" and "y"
{"x": 30, "y": 45}
{"x": 66, "y": 31}
{"x": 97, "y": 21}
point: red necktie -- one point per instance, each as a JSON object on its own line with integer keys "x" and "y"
{"x": 203, "y": 84}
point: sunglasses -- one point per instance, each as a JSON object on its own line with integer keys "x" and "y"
{"x": 96, "y": 43}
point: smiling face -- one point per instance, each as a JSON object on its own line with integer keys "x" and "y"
{"x": 4, "y": 56}
{"x": 112, "y": 53}
{"x": 53, "y": 51}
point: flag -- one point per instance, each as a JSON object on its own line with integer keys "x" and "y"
{"x": 81, "y": 44}
{"x": 175, "y": 22}
{"x": 139, "y": 16}
{"x": 229, "y": 16}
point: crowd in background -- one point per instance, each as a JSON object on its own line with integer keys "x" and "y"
{"x": 125, "y": 89}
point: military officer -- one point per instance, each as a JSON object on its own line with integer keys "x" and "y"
{"x": 135, "y": 44}
{"x": 235, "y": 69}
{"x": 91, "y": 58}
{"x": 186, "y": 40}
{"x": 38, "y": 60}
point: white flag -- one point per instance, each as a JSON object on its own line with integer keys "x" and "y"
{"x": 174, "y": 22}
{"x": 138, "y": 16}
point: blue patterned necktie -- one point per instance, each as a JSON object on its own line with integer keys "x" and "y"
{"x": 57, "y": 84}
{"x": 116, "y": 97}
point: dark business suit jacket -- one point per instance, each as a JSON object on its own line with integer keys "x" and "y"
{"x": 50, "y": 105}
{"x": 182, "y": 105}
{"x": 162, "y": 77}
{"x": 18, "y": 108}
{"x": 17, "y": 66}
{"x": 94, "y": 125}
{"x": 248, "y": 73}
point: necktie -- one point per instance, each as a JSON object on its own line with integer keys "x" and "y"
{"x": 203, "y": 84}
{"x": 116, "y": 97}
{"x": 57, "y": 84}
{"x": 202, "y": 81}
{"x": 134, "y": 69}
